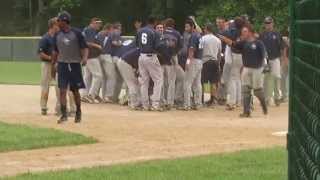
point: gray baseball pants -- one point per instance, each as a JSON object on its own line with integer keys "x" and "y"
{"x": 192, "y": 83}
{"x": 169, "y": 84}
{"x": 132, "y": 82}
{"x": 180, "y": 76}
{"x": 112, "y": 87}
{"x": 95, "y": 70}
{"x": 150, "y": 68}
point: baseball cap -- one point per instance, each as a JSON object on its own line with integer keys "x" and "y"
{"x": 268, "y": 20}
{"x": 64, "y": 16}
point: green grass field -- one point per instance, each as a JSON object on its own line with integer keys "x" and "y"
{"x": 23, "y": 137}
{"x": 244, "y": 165}
{"x": 20, "y": 72}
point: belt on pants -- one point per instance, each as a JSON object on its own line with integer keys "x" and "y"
{"x": 148, "y": 54}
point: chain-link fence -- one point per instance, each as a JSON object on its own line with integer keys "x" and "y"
{"x": 23, "y": 48}
{"x": 304, "y": 126}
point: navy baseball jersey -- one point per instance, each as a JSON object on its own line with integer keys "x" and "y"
{"x": 253, "y": 53}
{"x": 195, "y": 43}
{"x": 224, "y": 45}
{"x": 126, "y": 46}
{"x": 68, "y": 45}
{"x": 174, "y": 39}
{"x": 273, "y": 43}
{"x": 90, "y": 36}
{"x": 103, "y": 39}
{"x": 110, "y": 47}
{"x": 234, "y": 34}
{"x": 147, "y": 40}
{"x": 165, "y": 52}
{"x": 132, "y": 57}
{"x": 46, "y": 44}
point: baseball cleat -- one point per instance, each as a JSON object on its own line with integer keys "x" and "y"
{"x": 44, "y": 112}
{"x": 230, "y": 108}
{"x": 184, "y": 108}
{"x": 277, "y": 102}
{"x": 90, "y": 99}
{"x": 245, "y": 115}
{"x": 99, "y": 99}
{"x": 137, "y": 108}
{"x": 107, "y": 100}
{"x": 78, "y": 117}
{"x": 63, "y": 119}
{"x": 158, "y": 109}
{"x": 84, "y": 99}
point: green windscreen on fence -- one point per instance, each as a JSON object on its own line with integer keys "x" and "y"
{"x": 304, "y": 125}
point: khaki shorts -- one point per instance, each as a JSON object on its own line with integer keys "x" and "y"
{"x": 252, "y": 77}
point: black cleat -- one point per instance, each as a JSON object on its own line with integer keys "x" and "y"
{"x": 63, "y": 119}
{"x": 245, "y": 115}
{"x": 277, "y": 102}
{"x": 78, "y": 117}
{"x": 44, "y": 112}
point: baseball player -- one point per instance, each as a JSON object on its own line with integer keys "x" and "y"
{"x": 128, "y": 68}
{"x": 273, "y": 43}
{"x": 222, "y": 90}
{"x": 45, "y": 54}
{"x": 106, "y": 63}
{"x": 211, "y": 62}
{"x": 254, "y": 59}
{"x": 173, "y": 41}
{"x": 92, "y": 70}
{"x": 70, "y": 51}
{"x": 180, "y": 69}
{"x": 193, "y": 70}
{"x": 233, "y": 63}
{"x": 112, "y": 45}
{"x": 147, "y": 40}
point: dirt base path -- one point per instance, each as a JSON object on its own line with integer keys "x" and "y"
{"x": 127, "y": 136}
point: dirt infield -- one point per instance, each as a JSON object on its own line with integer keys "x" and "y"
{"x": 127, "y": 136}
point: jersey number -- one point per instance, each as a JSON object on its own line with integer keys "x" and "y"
{"x": 144, "y": 38}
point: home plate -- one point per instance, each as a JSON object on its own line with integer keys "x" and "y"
{"x": 280, "y": 133}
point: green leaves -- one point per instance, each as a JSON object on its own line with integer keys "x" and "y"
{"x": 256, "y": 9}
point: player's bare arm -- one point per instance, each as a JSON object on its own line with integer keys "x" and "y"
{"x": 84, "y": 55}
{"x": 43, "y": 56}
{"x": 94, "y": 45}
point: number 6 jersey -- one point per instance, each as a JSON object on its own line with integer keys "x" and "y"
{"x": 147, "y": 40}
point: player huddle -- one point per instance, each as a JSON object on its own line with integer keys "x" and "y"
{"x": 160, "y": 69}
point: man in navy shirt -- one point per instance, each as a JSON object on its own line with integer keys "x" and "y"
{"x": 47, "y": 75}
{"x": 274, "y": 43}
{"x": 92, "y": 71}
{"x": 254, "y": 59}
{"x": 147, "y": 40}
{"x": 112, "y": 46}
{"x": 193, "y": 70}
{"x": 106, "y": 64}
{"x": 173, "y": 40}
{"x": 70, "y": 51}
{"x": 182, "y": 58}
{"x": 128, "y": 68}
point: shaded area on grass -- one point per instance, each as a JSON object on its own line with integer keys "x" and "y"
{"x": 23, "y": 137}
{"x": 244, "y": 165}
{"x": 22, "y": 73}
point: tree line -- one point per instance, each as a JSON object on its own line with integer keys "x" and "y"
{"x": 29, "y": 17}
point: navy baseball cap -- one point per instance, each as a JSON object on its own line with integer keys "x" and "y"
{"x": 64, "y": 16}
{"x": 268, "y": 20}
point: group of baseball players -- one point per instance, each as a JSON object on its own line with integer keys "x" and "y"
{"x": 160, "y": 69}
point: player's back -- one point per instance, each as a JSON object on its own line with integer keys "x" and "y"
{"x": 147, "y": 39}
